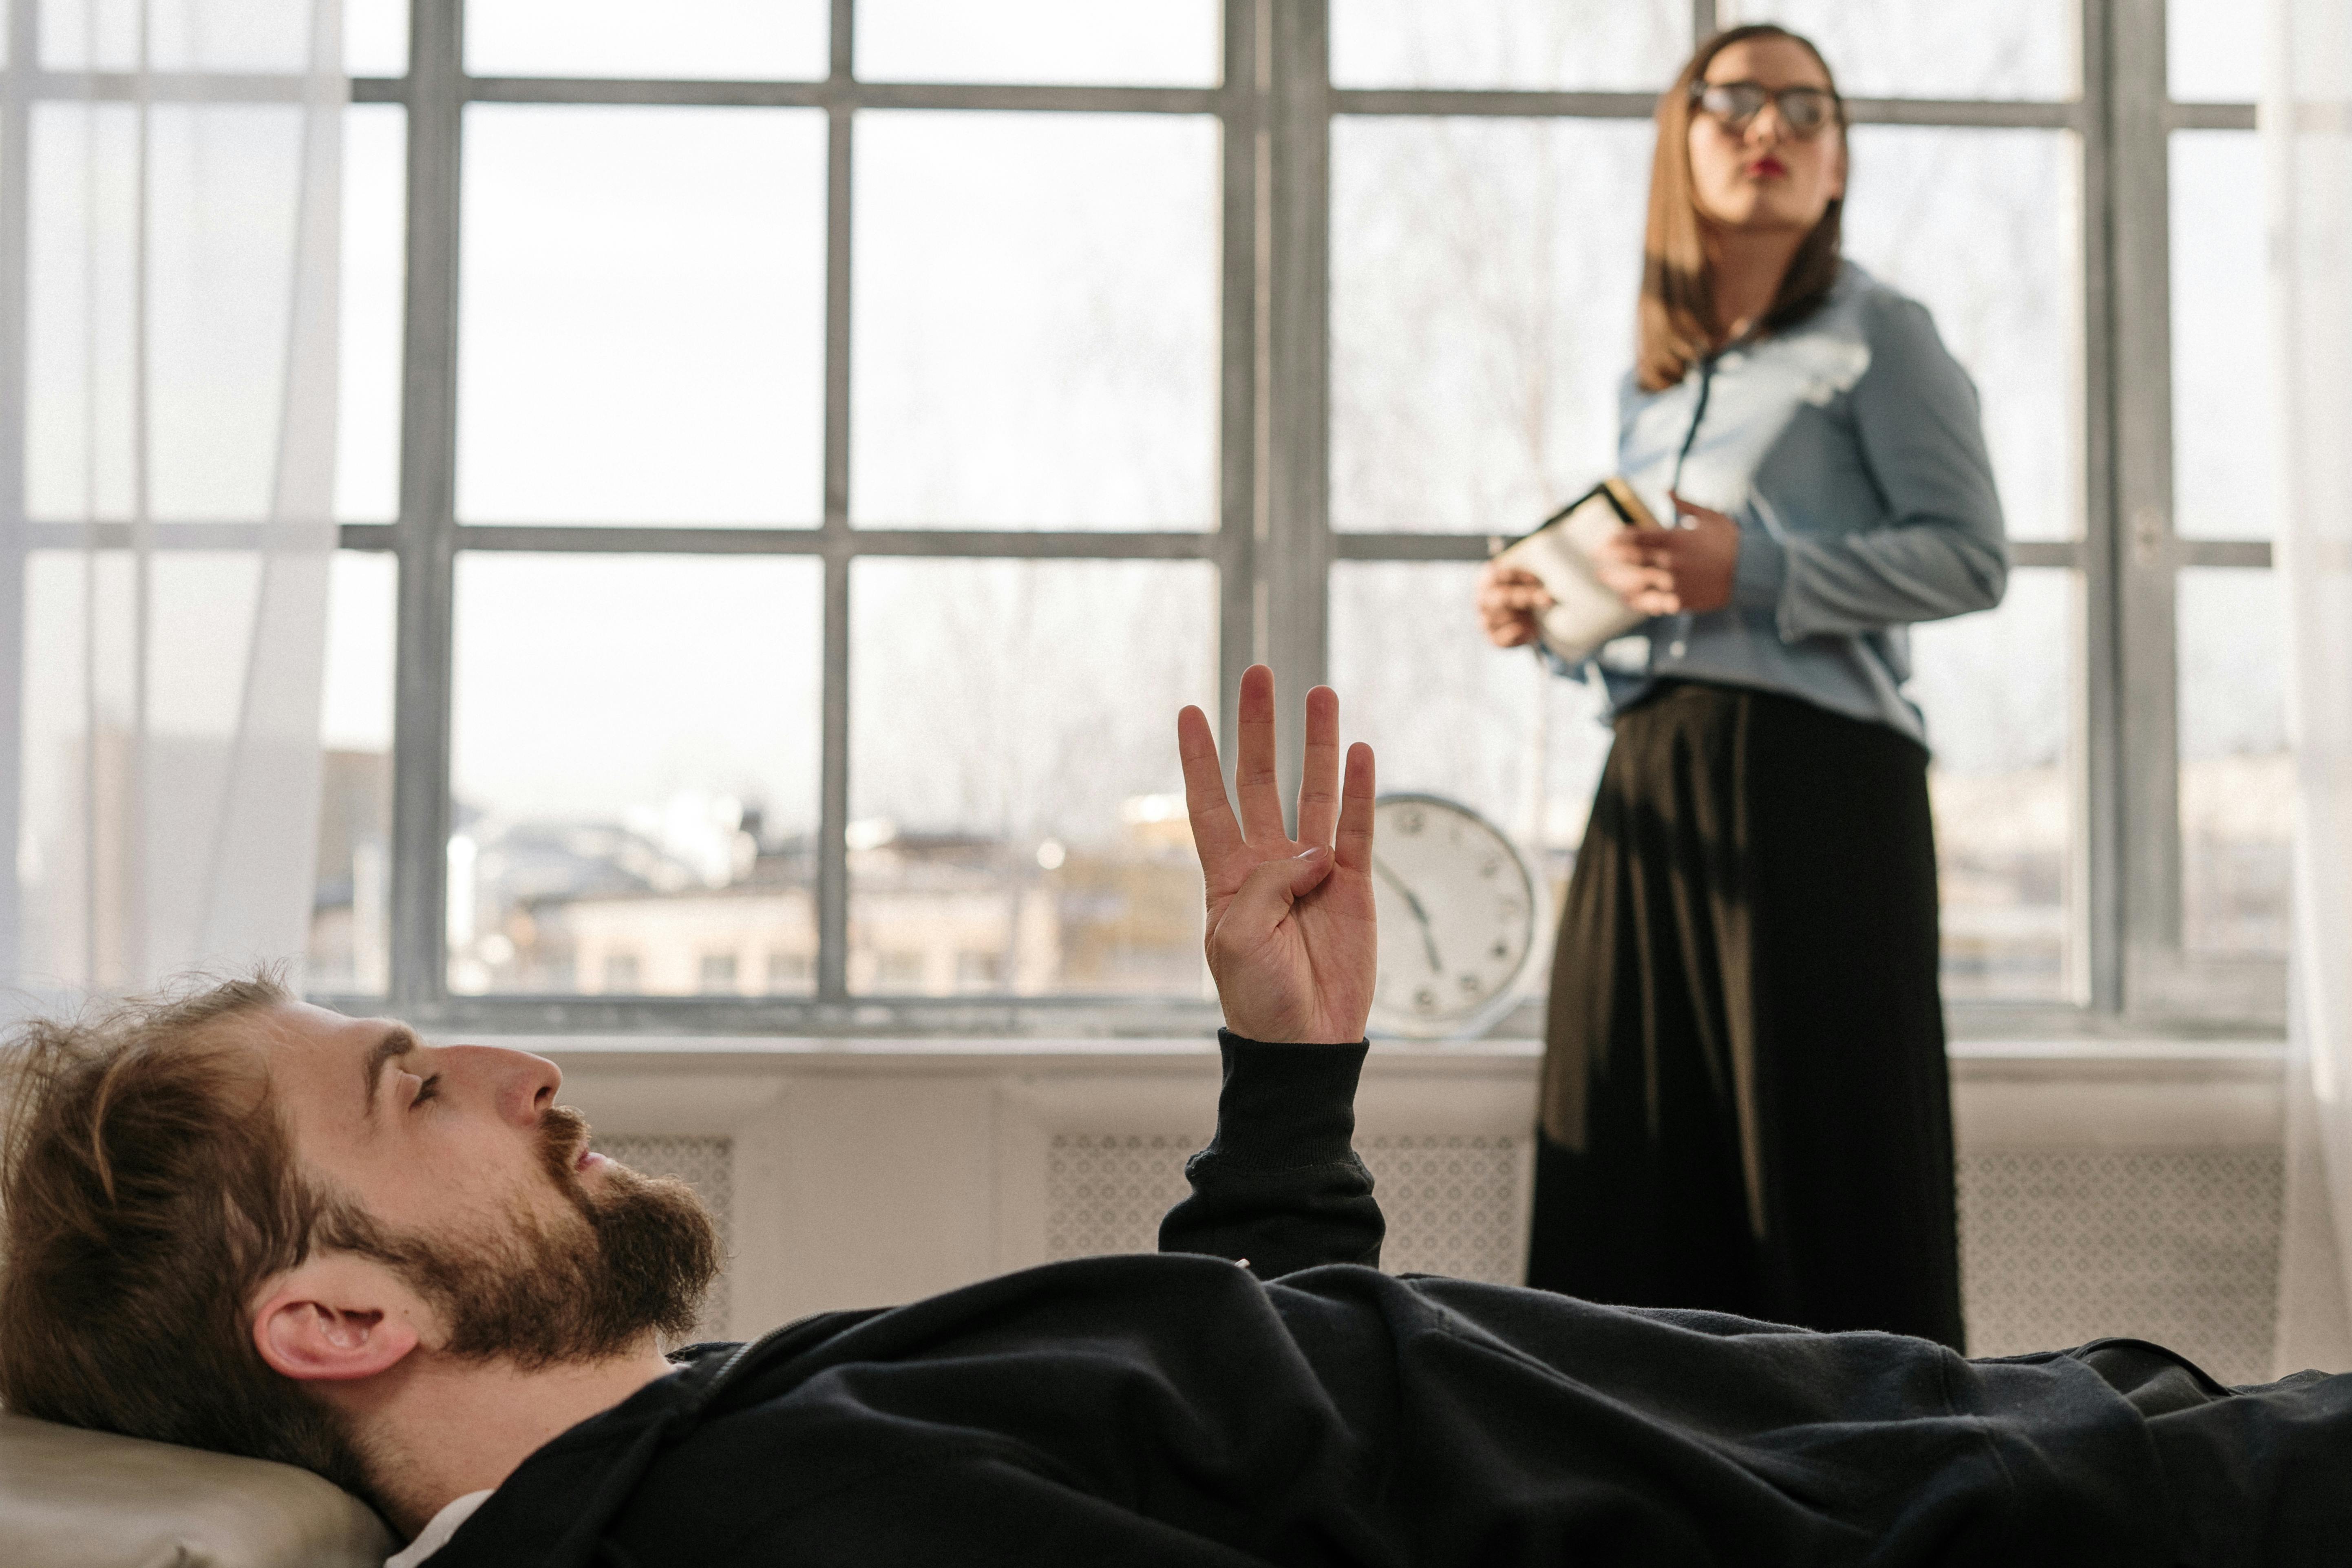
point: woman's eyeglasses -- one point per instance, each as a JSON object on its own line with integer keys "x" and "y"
{"x": 1804, "y": 110}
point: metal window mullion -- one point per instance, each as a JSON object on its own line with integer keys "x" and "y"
{"x": 1041, "y": 544}
{"x": 2067, "y": 554}
{"x": 2047, "y": 114}
{"x": 2096, "y": 850}
{"x": 427, "y": 529}
{"x": 833, "y": 783}
{"x": 1246, "y": 27}
{"x": 633, "y": 539}
{"x": 1107, "y": 544}
{"x": 1703, "y": 21}
{"x": 162, "y": 538}
{"x": 1350, "y": 546}
{"x": 2208, "y": 117}
{"x": 1422, "y": 101}
{"x": 1052, "y": 97}
{"x": 1294, "y": 533}
{"x": 674, "y": 92}
{"x": 1514, "y": 103}
{"x": 833, "y": 789}
{"x": 15, "y": 233}
{"x": 170, "y": 87}
{"x": 1418, "y": 102}
{"x": 2251, "y": 554}
{"x": 2148, "y": 793}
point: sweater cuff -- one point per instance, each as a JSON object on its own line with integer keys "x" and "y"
{"x": 1761, "y": 572}
{"x": 1286, "y": 1105}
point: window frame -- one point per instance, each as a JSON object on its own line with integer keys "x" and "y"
{"x": 1272, "y": 544}
{"x": 427, "y": 537}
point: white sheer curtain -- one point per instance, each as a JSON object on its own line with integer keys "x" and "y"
{"x": 2306, "y": 128}
{"x": 177, "y": 398}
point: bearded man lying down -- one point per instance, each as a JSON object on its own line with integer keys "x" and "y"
{"x": 243, "y": 1223}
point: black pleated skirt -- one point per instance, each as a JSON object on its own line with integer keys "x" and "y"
{"x": 1745, "y": 1105}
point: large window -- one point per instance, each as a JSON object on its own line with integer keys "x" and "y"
{"x": 797, "y": 456}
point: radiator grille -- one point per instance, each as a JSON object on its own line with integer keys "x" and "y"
{"x": 1105, "y": 1192}
{"x": 1452, "y": 1200}
{"x": 2057, "y": 1246}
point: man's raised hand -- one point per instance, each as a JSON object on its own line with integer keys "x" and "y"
{"x": 1291, "y": 938}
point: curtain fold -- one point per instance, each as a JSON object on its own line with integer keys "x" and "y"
{"x": 171, "y": 218}
{"x": 2306, "y": 131}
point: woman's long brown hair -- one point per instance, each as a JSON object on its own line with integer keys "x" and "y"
{"x": 1676, "y": 322}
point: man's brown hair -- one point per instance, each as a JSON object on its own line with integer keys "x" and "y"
{"x": 1675, "y": 323}
{"x": 149, "y": 1188}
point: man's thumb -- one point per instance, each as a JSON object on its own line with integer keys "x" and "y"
{"x": 1308, "y": 870}
{"x": 1267, "y": 894}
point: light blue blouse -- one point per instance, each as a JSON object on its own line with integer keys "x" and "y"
{"x": 1850, "y": 451}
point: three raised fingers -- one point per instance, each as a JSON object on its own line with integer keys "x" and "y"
{"x": 1326, "y": 805}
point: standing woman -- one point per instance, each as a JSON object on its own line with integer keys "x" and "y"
{"x": 1744, "y": 1104}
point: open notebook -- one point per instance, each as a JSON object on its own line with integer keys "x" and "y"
{"x": 1585, "y": 612}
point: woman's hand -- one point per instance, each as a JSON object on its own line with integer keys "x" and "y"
{"x": 1291, "y": 939}
{"x": 1669, "y": 571}
{"x": 1511, "y": 602}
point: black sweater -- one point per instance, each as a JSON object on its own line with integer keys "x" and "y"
{"x": 1177, "y": 1409}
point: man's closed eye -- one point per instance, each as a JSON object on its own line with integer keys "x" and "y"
{"x": 428, "y": 1090}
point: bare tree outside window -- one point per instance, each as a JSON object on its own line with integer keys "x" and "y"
{"x": 1015, "y": 787}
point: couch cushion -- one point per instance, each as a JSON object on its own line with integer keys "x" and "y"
{"x": 71, "y": 1499}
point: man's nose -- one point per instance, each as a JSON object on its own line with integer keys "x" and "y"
{"x": 522, "y": 1086}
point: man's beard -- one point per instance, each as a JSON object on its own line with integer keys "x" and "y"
{"x": 637, "y": 1255}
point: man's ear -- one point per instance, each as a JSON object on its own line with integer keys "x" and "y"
{"x": 334, "y": 1318}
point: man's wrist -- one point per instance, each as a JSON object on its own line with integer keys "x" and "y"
{"x": 1267, "y": 1033}
{"x": 1236, "y": 1037}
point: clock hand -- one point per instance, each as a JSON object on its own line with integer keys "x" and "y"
{"x": 1428, "y": 940}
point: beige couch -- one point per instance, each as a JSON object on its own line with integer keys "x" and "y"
{"x": 71, "y": 1499}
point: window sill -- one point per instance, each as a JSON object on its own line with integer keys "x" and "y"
{"x": 1060, "y": 1023}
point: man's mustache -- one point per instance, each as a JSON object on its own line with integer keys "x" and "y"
{"x": 562, "y": 1137}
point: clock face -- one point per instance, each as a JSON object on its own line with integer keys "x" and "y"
{"x": 1458, "y": 914}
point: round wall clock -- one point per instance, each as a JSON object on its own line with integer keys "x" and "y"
{"x": 1461, "y": 911}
